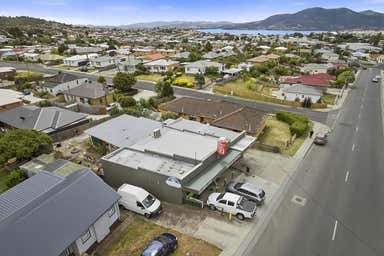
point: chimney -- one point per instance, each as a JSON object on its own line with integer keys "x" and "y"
{"x": 156, "y": 133}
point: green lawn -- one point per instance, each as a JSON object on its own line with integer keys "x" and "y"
{"x": 150, "y": 77}
{"x": 239, "y": 84}
{"x": 328, "y": 99}
{"x": 140, "y": 232}
{"x": 277, "y": 134}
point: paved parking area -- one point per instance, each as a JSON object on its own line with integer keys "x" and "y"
{"x": 266, "y": 170}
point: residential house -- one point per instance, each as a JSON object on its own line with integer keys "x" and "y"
{"x": 90, "y": 92}
{"x": 6, "y": 72}
{"x": 10, "y": 99}
{"x": 32, "y": 57}
{"x": 299, "y": 92}
{"x": 56, "y": 216}
{"x": 61, "y": 82}
{"x": 129, "y": 65}
{"x": 200, "y": 66}
{"x": 259, "y": 60}
{"x": 104, "y": 62}
{"x": 57, "y": 122}
{"x": 152, "y": 57}
{"x": 316, "y": 68}
{"x": 161, "y": 66}
{"x": 76, "y": 61}
{"x": 330, "y": 57}
{"x": 179, "y": 158}
{"x": 51, "y": 59}
{"x": 222, "y": 114}
{"x": 181, "y": 55}
{"x": 320, "y": 80}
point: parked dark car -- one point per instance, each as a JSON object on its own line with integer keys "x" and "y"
{"x": 163, "y": 245}
{"x": 247, "y": 190}
{"x": 321, "y": 139}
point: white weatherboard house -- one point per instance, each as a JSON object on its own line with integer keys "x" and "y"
{"x": 75, "y": 61}
{"x": 299, "y": 92}
{"x": 161, "y": 66}
{"x": 201, "y": 66}
{"x": 51, "y": 215}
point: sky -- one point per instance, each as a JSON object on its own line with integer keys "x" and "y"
{"x": 122, "y": 12}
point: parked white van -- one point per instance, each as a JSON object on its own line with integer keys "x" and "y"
{"x": 138, "y": 200}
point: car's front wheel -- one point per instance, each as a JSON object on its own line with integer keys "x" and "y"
{"x": 147, "y": 215}
{"x": 212, "y": 207}
{"x": 240, "y": 216}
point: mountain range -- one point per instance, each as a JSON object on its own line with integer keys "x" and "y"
{"x": 308, "y": 19}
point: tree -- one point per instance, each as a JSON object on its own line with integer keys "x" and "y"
{"x": 23, "y": 144}
{"x": 164, "y": 89}
{"x": 123, "y": 81}
{"x": 212, "y": 71}
{"x": 127, "y": 101}
{"x": 15, "y": 177}
{"x": 200, "y": 80}
{"x": 62, "y": 48}
{"x": 101, "y": 79}
{"x": 208, "y": 47}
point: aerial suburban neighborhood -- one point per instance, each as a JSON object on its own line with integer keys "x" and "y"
{"x": 192, "y": 138}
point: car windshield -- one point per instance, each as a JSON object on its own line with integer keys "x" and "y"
{"x": 238, "y": 185}
{"x": 148, "y": 201}
{"x": 220, "y": 196}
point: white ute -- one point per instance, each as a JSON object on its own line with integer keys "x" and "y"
{"x": 235, "y": 204}
{"x": 138, "y": 200}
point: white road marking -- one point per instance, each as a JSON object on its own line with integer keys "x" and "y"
{"x": 361, "y": 106}
{"x": 353, "y": 147}
{"x": 334, "y": 231}
{"x": 357, "y": 128}
{"x": 346, "y": 177}
{"x": 359, "y": 115}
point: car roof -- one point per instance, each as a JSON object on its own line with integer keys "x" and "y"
{"x": 153, "y": 248}
{"x": 231, "y": 197}
{"x": 139, "y": 192}
{"x": 251, "y": 187}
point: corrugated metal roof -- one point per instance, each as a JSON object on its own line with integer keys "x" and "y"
{"x": 49, "y": 223}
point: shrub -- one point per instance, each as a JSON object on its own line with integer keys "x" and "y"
{"x": 290, "y": 118}
{"x": 184, "y": 82}
{"x": 298, "y": 124}
{"x": 127, "y": 101}
{"x": 14, "y": 178}
{"x": 299, "y": 128}
{"x": 168, "y": 115}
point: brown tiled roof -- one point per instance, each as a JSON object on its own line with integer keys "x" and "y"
{"x": 244, "y": 119}
{"x": 226, "y": 115}
{"x": 200, "y": 107}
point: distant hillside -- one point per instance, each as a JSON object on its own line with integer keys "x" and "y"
{"x": 177, "y": 24}
{"x": 319, "y": 19}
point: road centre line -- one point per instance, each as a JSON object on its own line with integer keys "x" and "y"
{"x": 353, "y": 147}
{"x": 346, "y": 177}
{"x": 334, "y": 231}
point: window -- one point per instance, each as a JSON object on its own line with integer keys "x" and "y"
{"x": 223, "y": 201}
{"x": 85, "y": 237}
{"x": 138, "y": 204}
{"x": 231, "y": 203}
{"x": 111, "y": 211}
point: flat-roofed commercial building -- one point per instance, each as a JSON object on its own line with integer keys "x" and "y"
{"x": 181, "y": 157}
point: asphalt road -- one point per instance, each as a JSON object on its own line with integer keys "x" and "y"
{"x": 270, "y": 108}
{"x": 342, "y": 185}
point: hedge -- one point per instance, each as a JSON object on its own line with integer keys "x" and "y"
{"x": 298, "y": 124}
{"x": 290, "y": 118}
{"x": 299, "y": 128}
